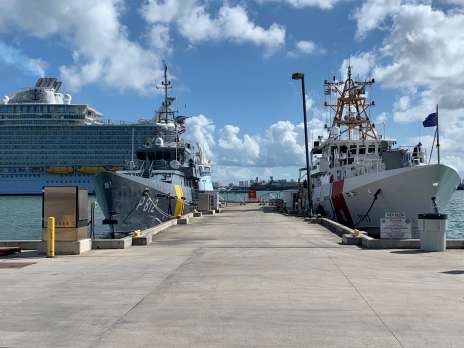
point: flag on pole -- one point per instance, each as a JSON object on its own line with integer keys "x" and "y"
{"x": 431, "y": 120}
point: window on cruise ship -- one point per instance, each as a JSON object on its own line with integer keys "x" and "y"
{"x": 371, "y": 149}
{"x": 353, "y": 150}
{"x": 167, "y": 156}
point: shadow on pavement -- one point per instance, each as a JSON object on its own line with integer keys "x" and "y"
{"x": 409, "y": 251}
{"x": 454, "y": 272}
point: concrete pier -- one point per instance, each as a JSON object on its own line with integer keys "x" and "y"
{"x": 243, "y": 278}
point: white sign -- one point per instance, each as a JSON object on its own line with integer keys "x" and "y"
{"x": 395, "y": 225}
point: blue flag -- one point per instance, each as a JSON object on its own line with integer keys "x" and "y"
{"x": 430, "y": 121}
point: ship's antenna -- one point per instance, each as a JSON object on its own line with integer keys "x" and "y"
{"x": 165, "y": 86}
{"x": 351, "y": 111}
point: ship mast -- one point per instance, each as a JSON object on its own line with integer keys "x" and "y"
{"x": 350, "y": 111}
{"x": 165, "y": 114}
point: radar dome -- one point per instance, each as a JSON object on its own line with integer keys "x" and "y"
{"x": 174, "y": 164}
{"x": 67, "y": 99}
{"x": 159, "y": 142}
{"x": 6, "y": 99}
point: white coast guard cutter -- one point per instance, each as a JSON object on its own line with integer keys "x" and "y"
{"x": 358, "y": 176}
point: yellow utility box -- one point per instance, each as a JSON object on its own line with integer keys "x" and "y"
{"x": 70, "y": 208}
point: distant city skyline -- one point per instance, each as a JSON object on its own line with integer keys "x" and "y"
{"x": 231, "y": 64}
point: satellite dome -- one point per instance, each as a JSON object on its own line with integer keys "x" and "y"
{"x": 159, "y": 141}
{"x": 67, "y": 99}
{"x": 174, "y": 164}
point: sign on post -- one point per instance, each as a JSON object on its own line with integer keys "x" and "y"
{"x": 395, "y": 225}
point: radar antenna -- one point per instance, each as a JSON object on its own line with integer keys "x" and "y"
{"x": 350, "y": 112}
{"x": 165, "y": 114}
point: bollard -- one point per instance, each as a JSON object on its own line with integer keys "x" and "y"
{"x": 51, "y": 237}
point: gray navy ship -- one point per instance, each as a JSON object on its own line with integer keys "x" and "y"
{"x": 159, "y": 184}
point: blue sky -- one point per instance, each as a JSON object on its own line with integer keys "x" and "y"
{"x": 232, "y": 61}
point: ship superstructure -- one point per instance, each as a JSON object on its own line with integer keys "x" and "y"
{"x": 357, "y": 176}
{"x": 159, "y": 184}
{"x": 204, "y": 166}
{"x": 45, "y": 139}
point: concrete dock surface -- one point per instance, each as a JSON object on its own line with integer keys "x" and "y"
{"x": 243, "y": 278}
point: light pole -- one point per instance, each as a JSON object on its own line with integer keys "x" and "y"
{"x": 300, "y": 76}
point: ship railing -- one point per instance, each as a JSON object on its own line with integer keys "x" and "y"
{"x": 150, "y": 169}
{"x": 416, "y": 156}
{"x": 159, "y": 164}
{"x": 135, "y": 168}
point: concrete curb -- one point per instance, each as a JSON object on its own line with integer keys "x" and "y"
{"x": 208, "y": 212}
{"x": 147, "y": 235}
{"x": 122, "y": 243}
{"x": 61, "y": 247}
{"x": 372, "y": 243}
{"x": 333, "y": 226}
{"x": 366, "y": 242}
{"x": 23, "y": 244}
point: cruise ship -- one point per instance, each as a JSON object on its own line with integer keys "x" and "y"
{"x": 46, "y": 140}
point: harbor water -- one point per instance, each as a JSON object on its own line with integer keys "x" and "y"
{"x": 20, "y": 216}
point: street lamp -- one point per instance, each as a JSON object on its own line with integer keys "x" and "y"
{"x": 300, "y": 76}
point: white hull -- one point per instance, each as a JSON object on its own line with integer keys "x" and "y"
{"x": 407, "y": 190}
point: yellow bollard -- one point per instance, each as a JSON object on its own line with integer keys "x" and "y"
{"x": 51, "y": 237}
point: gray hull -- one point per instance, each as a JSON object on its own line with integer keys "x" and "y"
{"x": 130, "y": 203}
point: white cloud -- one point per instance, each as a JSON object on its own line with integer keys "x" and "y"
{"x": 402, "y": 103}
{"x": 159, "y": 38}
{"x": 231, "y": 23}
{"x": 13, "y": 57}
{"x": 381, "y": 118}
{"x": 372, "y": 14}
{"x": 284, "y": 145}
{"x": 323, "y": 4}
{"x": 200, "y": 129}
{"x": 305, "y": 47}
{"x": 362, "y": 65}
{"x": 456, "y": 161}
{"x": 421, "y": 57}
{"x": 309, "y": 102}
{"x": 103, "y": 52}
{"x": 100, "y": 45}
{"x": 234, "y": 150}
{"x": 453, "y": 2}
{"x": 281, "y": 144}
